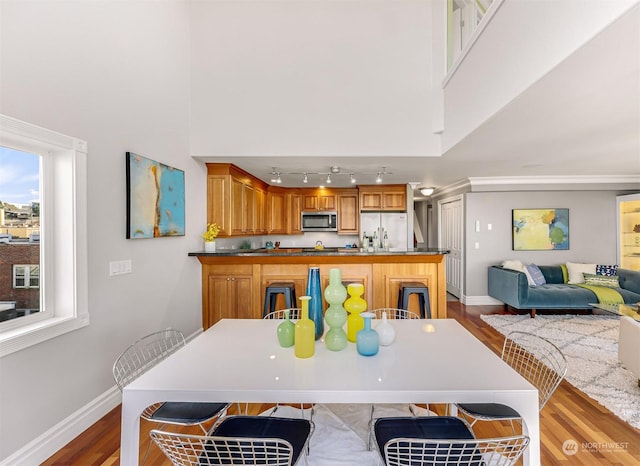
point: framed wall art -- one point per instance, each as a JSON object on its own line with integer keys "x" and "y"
{"x": 540, "y": 229}
{"x": 155, "y": 198}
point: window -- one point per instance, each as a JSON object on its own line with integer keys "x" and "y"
{"x": 55, "y": 269}
{"x": 26, "y": 276}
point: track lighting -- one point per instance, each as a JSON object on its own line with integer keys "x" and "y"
{"x": 333, "y": 170}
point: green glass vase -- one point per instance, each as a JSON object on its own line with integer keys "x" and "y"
{"x": 354, "y": 305}
{"x": 335, "y": 293}
{"x": 286, "y": 331}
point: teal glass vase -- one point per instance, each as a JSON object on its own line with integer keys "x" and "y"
{"x": 335, "y": 293}
{"x": 314, "y": 290}
{"x": 367, "y": 341}
{"x": 286, "y": 331}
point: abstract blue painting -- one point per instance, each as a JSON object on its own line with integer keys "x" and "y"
{"x": 155, "y": 198}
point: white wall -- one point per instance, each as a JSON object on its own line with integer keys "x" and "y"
{"x": 496, "y": 70}
{"x": 312, "y": 78}
{"x": 115, "y": 74}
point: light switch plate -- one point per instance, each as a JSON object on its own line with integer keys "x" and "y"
{"x": 120, "y": 267}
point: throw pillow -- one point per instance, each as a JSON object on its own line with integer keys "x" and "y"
{"x": 536, "y": 274}
{"x": 576, "y": 270}
{"x": 565, "y": 273}
{"x": 519, "y": 267}
{"x": 601, "y": 280}
{"x": 513, "y": 265}
{"x": 607, "y": 270}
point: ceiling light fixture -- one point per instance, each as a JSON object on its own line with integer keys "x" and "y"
{"x": 379, "y": 178}
{"x": 329, "y": 178}
{"x": 305, "y": 179}
{"x": 353, "y": 178}
{"x": 278, "y": 180}
{"x": 427, "y": 191}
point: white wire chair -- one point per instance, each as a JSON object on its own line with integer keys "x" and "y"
{"x": 534, "y": 358}
{"x": 416, "y": 442}
{"x": 240, "y": 440}
{"x": 395, "y": 313}
{"x": 142, "y": 356}
{"x": 294, "y": 314}
{"x": 280, "y": 314}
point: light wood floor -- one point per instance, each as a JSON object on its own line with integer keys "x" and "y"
{"x": 601, "y": 438}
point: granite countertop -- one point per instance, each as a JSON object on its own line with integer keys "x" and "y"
{"x": 327, "y": 251}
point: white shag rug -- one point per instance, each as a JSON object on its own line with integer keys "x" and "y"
{"x": 340, "y": 435}
{"x": 590, "y": 344}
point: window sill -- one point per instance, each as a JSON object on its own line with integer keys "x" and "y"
{"x": 29, "y": 335}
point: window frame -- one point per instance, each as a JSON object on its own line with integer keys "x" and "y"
{"x": 63, "y": 235}
{"x": 26, "y": 275}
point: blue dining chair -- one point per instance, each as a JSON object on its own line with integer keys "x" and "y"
{"x": 240, "y": 440}
{"x": 442, "y": 441}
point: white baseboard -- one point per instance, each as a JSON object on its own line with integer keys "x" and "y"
{"x": 480, "y": 301}
{"x": 45, "y": 445}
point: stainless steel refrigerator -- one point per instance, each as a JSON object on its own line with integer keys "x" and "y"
{"x": 394, "y": 224}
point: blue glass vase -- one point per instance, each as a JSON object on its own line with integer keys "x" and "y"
{"x": 367, "y": 340}
{"x": 314, "y": 290}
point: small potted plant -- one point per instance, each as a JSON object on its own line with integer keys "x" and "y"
{"x": 209, "y": 237}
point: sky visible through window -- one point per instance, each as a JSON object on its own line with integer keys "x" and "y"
{"x": 19, "y": 177}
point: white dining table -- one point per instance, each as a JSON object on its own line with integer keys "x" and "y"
{"x": 240, "y": 360}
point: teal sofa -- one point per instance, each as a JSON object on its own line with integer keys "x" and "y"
{"x": 512, "y": 288}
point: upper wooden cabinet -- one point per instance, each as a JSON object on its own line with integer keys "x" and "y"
{"x": 233, "y": 202}
{"x": 277, "y": 218}
{"x": 391, "y": 197}
{"x": 294, "y": 209}
{"x": 348, "y": 213}
{"x": 314, "y": 200}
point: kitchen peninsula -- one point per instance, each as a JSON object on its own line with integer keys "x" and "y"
{"x": 234, "y": 281}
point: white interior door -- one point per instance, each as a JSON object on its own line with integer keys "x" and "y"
{"x": 451, "y": 238}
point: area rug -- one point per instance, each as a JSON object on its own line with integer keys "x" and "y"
{"x": 590, "y": 344}
{"x": 341, "y": 432}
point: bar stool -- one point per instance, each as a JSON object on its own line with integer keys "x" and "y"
{"x": 288, "y": 289}
{"x": 422, "y": 290}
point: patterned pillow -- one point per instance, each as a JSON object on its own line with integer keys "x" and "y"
{"x": 536, "y": 274}
{"x": 607, "y": 270}
{"x": 601, "y": 280}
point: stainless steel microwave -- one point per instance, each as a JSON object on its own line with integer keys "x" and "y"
{"x": 319, "y": 221}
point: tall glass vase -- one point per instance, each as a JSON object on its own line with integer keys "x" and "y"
{"x": 354, "y": 305}
{"x": 314, "y": 290}
{"x": 335, "y": 294}
{"x": 304, "y": 339}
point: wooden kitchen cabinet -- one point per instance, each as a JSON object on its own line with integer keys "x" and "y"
{"x": 387, "y": 279}
{"x": 242, "y": 208}
{"x": 228, "y": 293}
{"x": 232, "y": 200}
{"x": 294, "y": 209}
{"x": 260, "y": 209}
{"x": 348, "y": 213}
{"x": 277, "y": 217}
{"x": 383, "y": 198}
{"x": 314, "y": 200}
{"x": 233, "y": 283}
